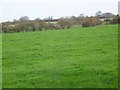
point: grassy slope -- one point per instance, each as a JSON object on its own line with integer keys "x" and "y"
{"x": 79, "y": 57}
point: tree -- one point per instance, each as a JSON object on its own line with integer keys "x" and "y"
{"x": 65, "y": 23}
{"x": 81, "y": 16}
{"x": 24, "y": 18}
{"x": 48, "y": 19}
{"x": 115, "y": 20}
{"x": 98, "y": 14}
{"x": 73, "y": 20}
{"x": 41, "y": 24}
{"x": 37, "y": 19}
{"x": 90, "y": 22}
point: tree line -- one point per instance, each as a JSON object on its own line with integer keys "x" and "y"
{"x": 24, "y": 24}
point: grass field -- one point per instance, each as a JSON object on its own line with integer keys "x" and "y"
{"x": 76, "y": 57}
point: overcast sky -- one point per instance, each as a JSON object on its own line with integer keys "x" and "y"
{"x": 14, "y": 9}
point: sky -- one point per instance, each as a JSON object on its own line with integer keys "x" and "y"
{"x": 14, "y": 9}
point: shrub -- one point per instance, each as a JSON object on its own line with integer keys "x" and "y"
{"x": 116, "y": 20}
{"x": 65, "y": 23}
{"x": 90, "y": 22}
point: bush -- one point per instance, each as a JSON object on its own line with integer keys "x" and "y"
{"x": 115, "y": 20}
{"x": 90, "y": 22}
{"x": 65, "y": 23}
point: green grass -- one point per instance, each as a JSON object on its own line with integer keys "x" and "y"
{"x": 77, "y": 57}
